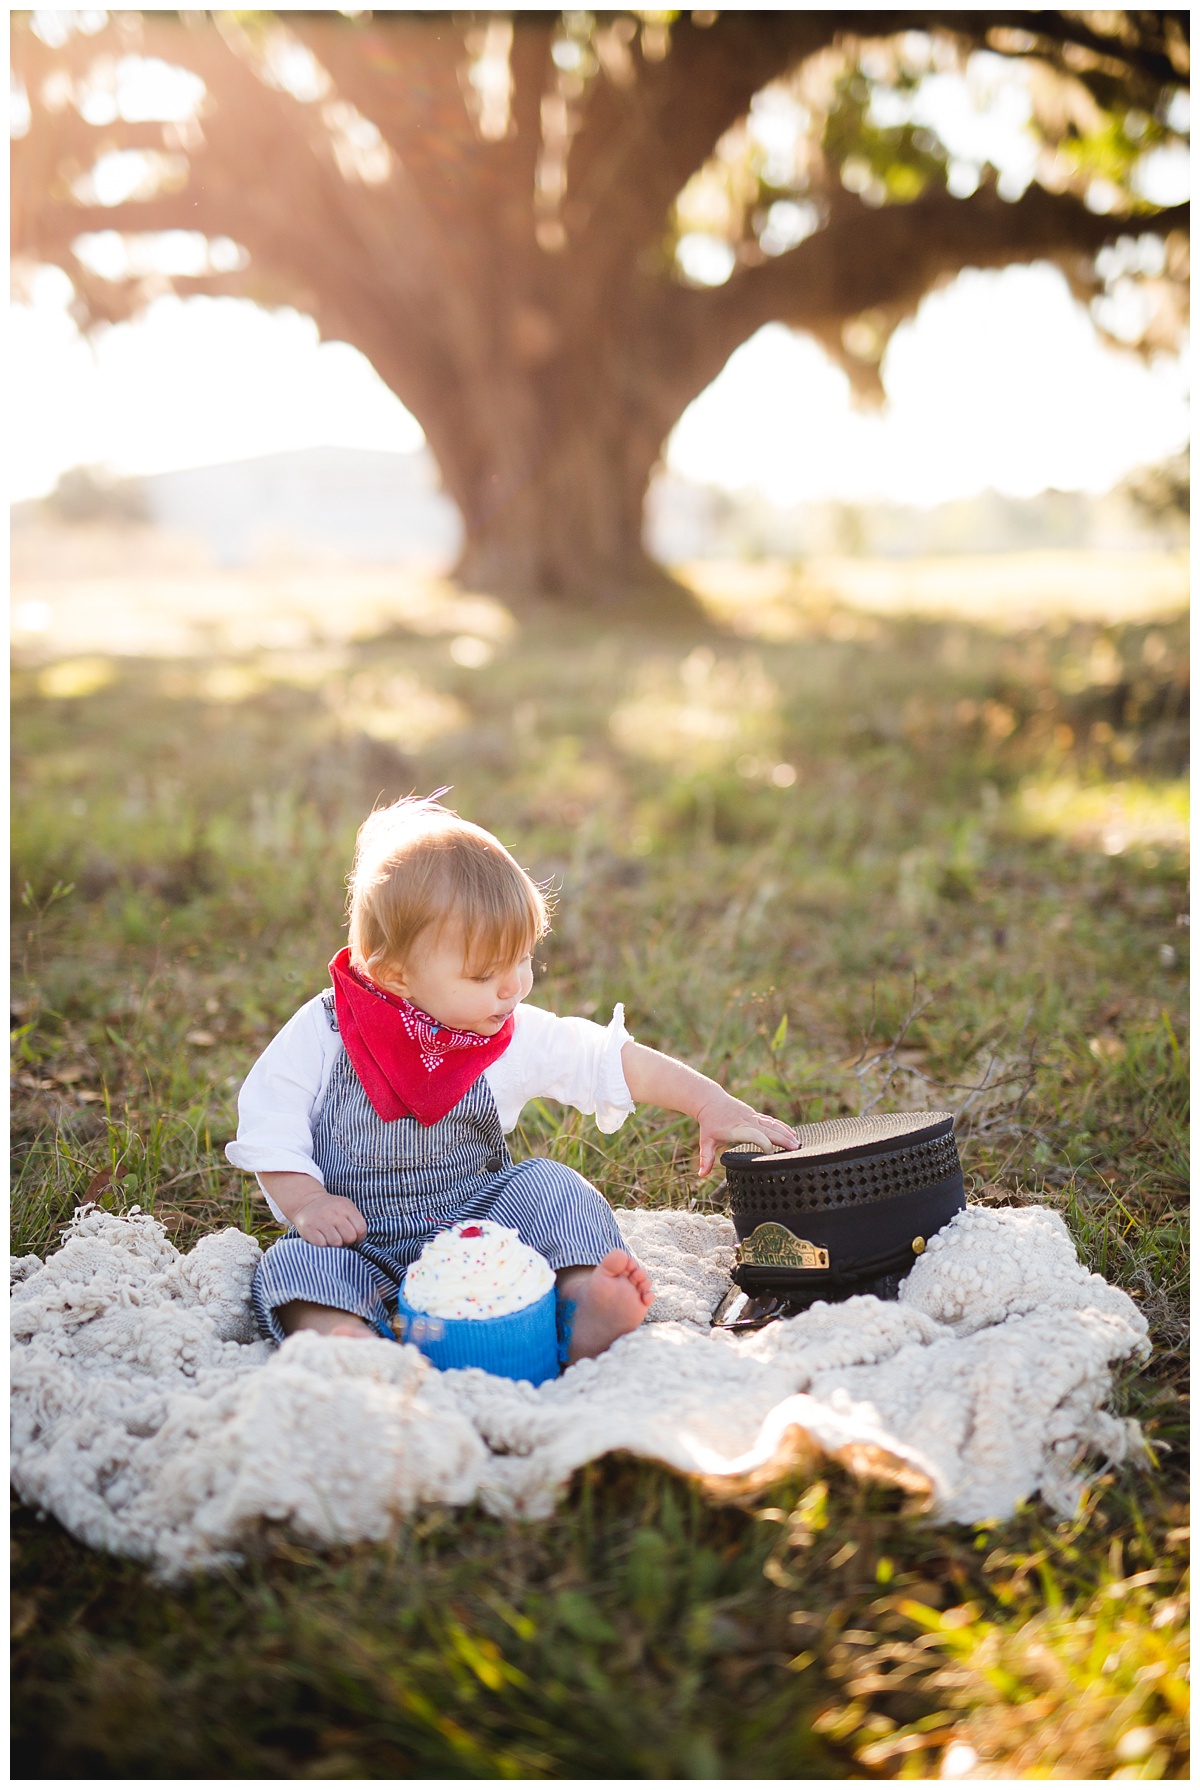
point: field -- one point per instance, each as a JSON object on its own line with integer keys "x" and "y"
{"x": 831, "y": 851}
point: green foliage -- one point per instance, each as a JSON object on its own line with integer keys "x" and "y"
{"x": 898, "y": 161}
{"x": 863, "y": 117}
{"x": 840, "y": 895}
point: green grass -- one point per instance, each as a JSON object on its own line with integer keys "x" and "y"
{"x": 836, "y": 832}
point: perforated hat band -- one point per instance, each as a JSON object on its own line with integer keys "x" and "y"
{"x": 859, "y": 1199}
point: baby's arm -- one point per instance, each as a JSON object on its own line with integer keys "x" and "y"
{"x": 664, "y": 1081}
{"x": 319, "y": 1216}
{"x": 274, "y": 1140}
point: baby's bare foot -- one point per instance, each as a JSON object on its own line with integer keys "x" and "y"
{"x": 610, "y": 1300}
{"x": 324, "y": 1319}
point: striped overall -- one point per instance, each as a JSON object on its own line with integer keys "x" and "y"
{"x": 410, "y": 1181}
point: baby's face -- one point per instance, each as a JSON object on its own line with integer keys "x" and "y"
{"x": 436, "y": 979}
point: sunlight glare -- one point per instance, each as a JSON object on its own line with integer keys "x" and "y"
{"x": 19, "y": 115}
{"x": 1112, "y": 817}
{"x": 71, "y": 678}
{"x": 704, "y": 260}
{"x": 122, "y": 175}
{"x": 114, "y": 256}
{"x": 139, "y": 89}
{"x": 1163, "y": 176}
{"x": 701, "y": 710}
{"x": 981, "y": 115}
{"x": 398, "y": 708}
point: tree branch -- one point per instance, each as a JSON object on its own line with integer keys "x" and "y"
{"x": 637, "y": 149}
{"x": 864, "y": 260}
{"x": 1137, "y": 46}
{"x": 884, "y": 261}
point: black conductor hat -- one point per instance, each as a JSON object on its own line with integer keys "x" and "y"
{"x": 849, "y": 1211}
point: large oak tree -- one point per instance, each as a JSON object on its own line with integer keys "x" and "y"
{"x": 488, "y": 206}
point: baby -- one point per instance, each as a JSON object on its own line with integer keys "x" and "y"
{"x": 377, "y": 1117}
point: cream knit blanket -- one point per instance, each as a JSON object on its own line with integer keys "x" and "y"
{"x": 151, "y": 1421}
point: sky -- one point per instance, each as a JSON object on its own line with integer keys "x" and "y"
{"x": 1000, "y": 382}
{"x": 193, "y": 382}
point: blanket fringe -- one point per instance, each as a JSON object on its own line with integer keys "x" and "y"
{"x": 798, "y": 1452}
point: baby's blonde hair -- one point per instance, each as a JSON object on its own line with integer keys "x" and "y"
{"x": 418, "y": 866}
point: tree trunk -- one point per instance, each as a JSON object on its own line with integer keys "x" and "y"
{"x": 569, "y": 525}
{"x": 552, "y": 502}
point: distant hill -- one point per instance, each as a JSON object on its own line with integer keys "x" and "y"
{"x": 381, "y": 508}
{"x": 345, "y": 502}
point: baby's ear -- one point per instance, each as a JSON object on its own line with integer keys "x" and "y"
{"x": 391, "y": 976}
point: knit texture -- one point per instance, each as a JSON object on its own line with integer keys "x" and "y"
{"x": 152, "y": 1422}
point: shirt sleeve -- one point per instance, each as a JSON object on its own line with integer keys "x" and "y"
{"x": 573, "y": 1060}
{"x": 280, "y": 1096}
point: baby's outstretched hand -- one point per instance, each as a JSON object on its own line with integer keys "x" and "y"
{"x": 330, "y": 1221}
{"x": 726, "y": 1121}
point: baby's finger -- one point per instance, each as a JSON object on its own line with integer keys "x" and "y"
{"x": 755, "y": 1133}
{"x": 350, "y": 1215}
{"x": 777, "y": 1130}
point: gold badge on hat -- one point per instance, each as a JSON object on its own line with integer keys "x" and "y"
{"x": 772, "y": 1246}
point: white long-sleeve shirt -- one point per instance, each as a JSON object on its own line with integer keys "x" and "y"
{"x": 571, "y": 1060}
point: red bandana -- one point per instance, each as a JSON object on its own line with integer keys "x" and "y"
{"x": 408, "y": 1064}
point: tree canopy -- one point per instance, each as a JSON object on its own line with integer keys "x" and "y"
{"x": 548, "y": 232}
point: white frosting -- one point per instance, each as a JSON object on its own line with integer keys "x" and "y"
{"x": 477, "y": 1269}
